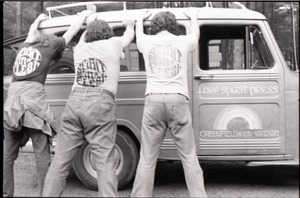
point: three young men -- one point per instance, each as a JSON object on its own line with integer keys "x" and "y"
{"x": 90, "y": 112}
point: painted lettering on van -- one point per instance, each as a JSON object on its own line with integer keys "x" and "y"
{"x": 220, "y": 134}
{"x": 245, "y": 90}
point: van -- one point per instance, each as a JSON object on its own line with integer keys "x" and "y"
{"x": 244, "y": 99}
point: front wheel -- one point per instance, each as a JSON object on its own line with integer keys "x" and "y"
{"x": 126, "y": 162}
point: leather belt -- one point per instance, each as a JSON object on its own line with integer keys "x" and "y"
{"x": 92, "y": 89}
{"x": 164, "y": 94}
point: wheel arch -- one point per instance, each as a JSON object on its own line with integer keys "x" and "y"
{"x": 65, "y": 64}
{"x": 130, "y": 129}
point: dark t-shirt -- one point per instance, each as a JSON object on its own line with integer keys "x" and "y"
{"x": 33, "y": 60}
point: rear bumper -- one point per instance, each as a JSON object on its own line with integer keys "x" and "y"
{"x": 274, "y": 163}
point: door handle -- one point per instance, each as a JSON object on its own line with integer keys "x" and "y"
{"x": 203, "y": 76}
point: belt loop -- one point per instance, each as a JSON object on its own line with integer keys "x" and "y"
{"x": 85, "y": 92}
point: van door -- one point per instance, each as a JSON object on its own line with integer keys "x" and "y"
{"x": 238, "y": 88}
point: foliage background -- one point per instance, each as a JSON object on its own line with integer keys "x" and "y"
{"x": 18, "y": 16}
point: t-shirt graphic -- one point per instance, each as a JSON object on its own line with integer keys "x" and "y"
{"x": 91, "y": 72}
{"x": 165, "y": 61}
{"x": 27, "y": 61}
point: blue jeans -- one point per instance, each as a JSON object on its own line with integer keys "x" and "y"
{"x": 89, "y": 114}
{"x": 41, "y": 148}
{"x": 162, "y": 112}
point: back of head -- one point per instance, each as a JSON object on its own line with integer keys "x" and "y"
{"x": 164, "y": 21}
{"x": 98, "y": 30}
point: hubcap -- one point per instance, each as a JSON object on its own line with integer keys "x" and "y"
{"x": 89, "y": 164}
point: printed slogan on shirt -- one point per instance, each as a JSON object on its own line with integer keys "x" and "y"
{"x": 27, "y": 61}
{"x": 165, "y": 61}
{"x": 91, "y": 72}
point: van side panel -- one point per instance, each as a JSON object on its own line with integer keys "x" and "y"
{"x": 130, "y": 101}
{"x": 291, "y": 81}
{"x": 238, "y": 111}
{"x": 292, "y": 124}
{"x": 292, "y": 113}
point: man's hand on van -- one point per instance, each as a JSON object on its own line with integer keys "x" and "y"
{"x": 128, "y": 19}
{"x": 145, "y": 15}
{"x": 91, "y": 18}
{"x": 85, "y": 13}
{"x": 191, "y": 13}
{"x": 42, "y": 17}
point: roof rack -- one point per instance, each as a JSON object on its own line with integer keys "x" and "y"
{"x": 209, "y": 5}
{"x": 241, "y": 5}
{"x": 89, "y": 5}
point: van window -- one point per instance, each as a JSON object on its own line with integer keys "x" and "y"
{"x": 233, "y": 48}
{"x": 133, "y": 60}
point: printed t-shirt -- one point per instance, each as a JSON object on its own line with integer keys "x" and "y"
{"x": 97, "y": 64}
{"x": 33, "y": 60}
{"x": 165, "y": 58}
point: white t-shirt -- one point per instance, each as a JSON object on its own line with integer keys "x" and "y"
{"x": 165, "y": 58}
{"x": 97, "y": 64}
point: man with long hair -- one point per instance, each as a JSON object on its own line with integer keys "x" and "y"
{"x": 90, "y": 112}
{"x": 26, "y": 111}
{"x": 167, "y": 100}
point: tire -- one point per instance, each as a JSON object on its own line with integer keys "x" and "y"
{"x": 126, "y": 162}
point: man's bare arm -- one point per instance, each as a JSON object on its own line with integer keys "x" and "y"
{"x": 75, "y": 27}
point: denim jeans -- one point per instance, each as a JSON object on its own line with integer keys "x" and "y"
{"x": 162, "y": 112}
{"x": 89, "y": 114}
{"x": 41, "y": 148}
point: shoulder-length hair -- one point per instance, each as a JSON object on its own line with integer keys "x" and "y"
{"x": 98, "y": 30}
{"x": 164, "y": 21}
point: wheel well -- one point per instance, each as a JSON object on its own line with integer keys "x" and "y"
{"x": 63, "y": 65}
{"x": 131, "y": 134}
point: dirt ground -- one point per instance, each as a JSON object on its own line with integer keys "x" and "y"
{"x": 221, "y": 180}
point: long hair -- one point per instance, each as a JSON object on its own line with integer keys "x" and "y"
{"x": 164, "y": 21}
{"x": 98, "y": 30}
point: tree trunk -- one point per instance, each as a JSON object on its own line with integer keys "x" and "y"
{"x": 294, "y": 38}
{"x": 248, "y": 5}
{"x": 39, "y": 8}
{"x": 19, "y": 19}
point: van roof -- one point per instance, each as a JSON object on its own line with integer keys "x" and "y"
{"x": 207, "y": 13}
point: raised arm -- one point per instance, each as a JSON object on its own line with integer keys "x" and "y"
{"x": 89, "y": 20}
{"x": 139, "y": 23}
{"x": 192, "y": 14}
{"x": 33, "y": 31}
{"x": 129, "y": 32}
{"x": 76, "y": 25}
